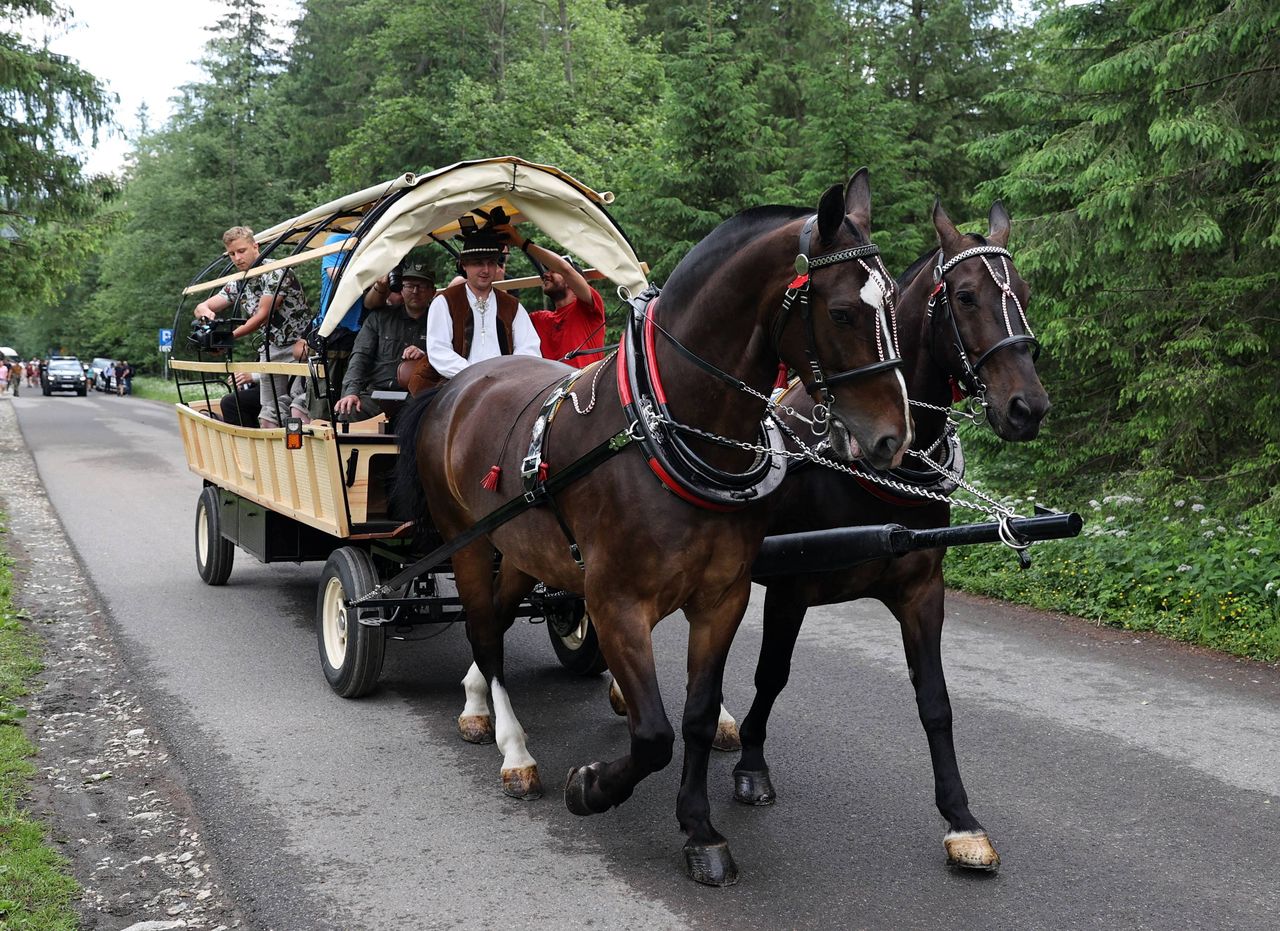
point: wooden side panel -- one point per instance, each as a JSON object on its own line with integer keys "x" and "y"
{"x": 305, "y": 484}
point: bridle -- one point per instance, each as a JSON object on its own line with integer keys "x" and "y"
{"x": 797, "y": 295}
{"x": 940, "y": 297}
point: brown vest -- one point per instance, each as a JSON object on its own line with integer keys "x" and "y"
{"x": 424, "y": 375}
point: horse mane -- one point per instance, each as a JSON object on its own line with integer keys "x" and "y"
{"x": 722, "y": 242}
{"x": 914, "y": 269}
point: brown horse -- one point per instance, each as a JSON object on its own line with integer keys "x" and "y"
{"x": 962, "y": 322}
{"x": 679, "y": 526}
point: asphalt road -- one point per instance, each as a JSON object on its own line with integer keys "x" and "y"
{"x": 1126, "y": 782}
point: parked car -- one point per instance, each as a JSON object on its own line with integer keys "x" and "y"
{"x": 64, "y": 373}
{"x": 102, "y": 374}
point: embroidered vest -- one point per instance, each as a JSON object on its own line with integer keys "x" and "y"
{"x": 460, "y": 315}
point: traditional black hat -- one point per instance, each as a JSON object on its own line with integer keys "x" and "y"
{"x": 481, "y": 244}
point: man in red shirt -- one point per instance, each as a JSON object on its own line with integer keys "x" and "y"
{"x": 577, "y": 322}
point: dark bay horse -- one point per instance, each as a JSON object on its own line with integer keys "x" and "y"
{"x": 651, "y": 544}
{"x": 976, "y": 335}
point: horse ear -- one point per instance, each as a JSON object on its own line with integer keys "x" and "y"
{"x": 998, "y": 225}
{"x": 830, "y": 213}
{"x": 948, "y": 235}
{"x": 857, "y": 200}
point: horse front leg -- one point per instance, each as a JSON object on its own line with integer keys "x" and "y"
{"x": 783, "y": 614}
{"x": 711, "y": 630}
{"x": 625, "y": 633}
{"x": 920, "y": 613}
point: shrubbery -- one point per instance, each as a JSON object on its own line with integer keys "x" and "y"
{"x": 1156, "y": 563}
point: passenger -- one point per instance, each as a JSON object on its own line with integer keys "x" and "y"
{"x": 388, "y": 338}
{"x": 577, "y": 320}
{"x": 341, "y": 342}
{"x": 275, "y": 297}
{"x": 471, "y": 321}
{"x": 240, "y": 408}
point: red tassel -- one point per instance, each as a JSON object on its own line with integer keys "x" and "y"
{"x": 957, "y": 393}
{"x": 542, "y": 472}
{"x": 781, "y": 380}
{"x": 490, "y": 481}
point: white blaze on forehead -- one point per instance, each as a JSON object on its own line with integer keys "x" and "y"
{"x": 873, "y": 291}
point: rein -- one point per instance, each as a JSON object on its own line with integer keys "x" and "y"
{"x": 940, "y": 297}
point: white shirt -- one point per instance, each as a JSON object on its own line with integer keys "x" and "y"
{"x": 484, "y": 338}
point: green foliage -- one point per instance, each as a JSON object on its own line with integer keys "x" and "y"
{"x": 1160, "y": 563}
{"x": 1146, "y": 164}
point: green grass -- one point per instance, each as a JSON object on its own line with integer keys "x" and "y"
{"x": 157, "y": 389}
{"x": 1159, "y": 561}
{"x": 35, "y": 891}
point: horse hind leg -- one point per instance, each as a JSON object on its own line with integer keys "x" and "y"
{"x": 726, "y": 738}
{"x": 490, "y": 609}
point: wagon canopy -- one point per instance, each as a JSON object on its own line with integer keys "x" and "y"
{"x": 565, "y": 209}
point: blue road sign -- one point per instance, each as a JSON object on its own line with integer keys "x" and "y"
{"x": 166, "y": 340}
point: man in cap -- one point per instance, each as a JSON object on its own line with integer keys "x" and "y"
{"x": 387, "y": 338}
{"x": 472, "y": 321}
{"x": 577, "y": 321}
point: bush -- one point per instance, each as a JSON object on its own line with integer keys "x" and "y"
{"x": 1158, "y": 563}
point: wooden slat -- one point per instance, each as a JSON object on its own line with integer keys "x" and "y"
{"x": 296, "y": 259}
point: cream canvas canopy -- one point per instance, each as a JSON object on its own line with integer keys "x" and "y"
{"x": 565, "y": 210}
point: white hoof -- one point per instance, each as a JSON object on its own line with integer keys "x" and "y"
{"x": 971, "y": 850}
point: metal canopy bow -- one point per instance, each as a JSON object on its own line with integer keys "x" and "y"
{"x": 561, "y": 207}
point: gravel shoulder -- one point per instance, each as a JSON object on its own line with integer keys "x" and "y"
{"x": 113, "y": 799}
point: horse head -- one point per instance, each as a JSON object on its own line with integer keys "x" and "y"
{"x": 980, "y": 326}
{"x": 842, "y": 343}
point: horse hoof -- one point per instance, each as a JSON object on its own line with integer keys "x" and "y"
{"x": 575, "y": 788}
{"x": 971, "y": 850}
{"x": 753, "y": 788}
{"x": 710, "y": 864}
{"x": 476, "y": 728}
{"x": 522, "y": 782}
{"x": 727, "y": 736}
{"x": 616, "y": 700}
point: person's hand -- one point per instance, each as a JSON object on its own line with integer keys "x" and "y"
{"x": 204, "y": 313}
{"x": 412, "y": 352}
{"x": 243, "y": 378}
{"x": 347, "y": 404}
{"x": 509, "y": 235}
{"x": 300, "y": 350}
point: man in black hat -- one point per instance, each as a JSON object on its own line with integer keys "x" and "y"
{"x": 472, "y": 321}
{"x": 387, "y": 338}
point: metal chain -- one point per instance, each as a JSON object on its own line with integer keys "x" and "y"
{"x": 594, "y": 381}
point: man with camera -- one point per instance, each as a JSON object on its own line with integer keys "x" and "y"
{"x": 387, "y": 338}
{"x": 274, "y": 300}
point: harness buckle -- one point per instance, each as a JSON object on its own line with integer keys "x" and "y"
{"x": 821, "y": 416}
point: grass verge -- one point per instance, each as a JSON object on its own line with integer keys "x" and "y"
{"x": 1147, "y": 561}
{"x": 157, "y": 389}
{"x": 35, "y": 891}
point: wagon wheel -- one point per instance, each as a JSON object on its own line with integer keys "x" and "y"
{"x": 574, "y": 639}
{"x": 214, "y": 552}
{"x": 350, "y": 652}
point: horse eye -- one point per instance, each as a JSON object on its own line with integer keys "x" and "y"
{"x": 841, "y": 314}
{"x": 966, "y": 297}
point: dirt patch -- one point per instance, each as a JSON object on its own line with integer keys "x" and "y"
{"x": 115, "y": 803}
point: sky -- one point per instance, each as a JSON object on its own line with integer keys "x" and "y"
{"x": 141, "y": 50}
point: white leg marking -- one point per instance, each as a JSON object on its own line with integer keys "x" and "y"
{"x": 477, "y": 694}
{"x": 510, "y": 735}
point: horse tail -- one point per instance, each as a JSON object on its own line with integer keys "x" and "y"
{"x": 408, "y": 497}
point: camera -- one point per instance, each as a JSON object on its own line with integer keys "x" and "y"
{"x": 212, "y": 336}
{"x": 394, "y": 281}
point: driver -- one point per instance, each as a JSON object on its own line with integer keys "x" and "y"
{"x": 472, "y": 321}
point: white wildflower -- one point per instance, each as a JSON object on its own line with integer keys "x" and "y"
{"x": 1254, "y": 551}
{"x": 1110, "y": 518}
{"x": 1180, "y": 502}
{"x": 1197, "y": 508}
{"x": 1093, "y": 503}
{"x": 1208, "y": 534}
{"x": 1184, "y": 568}
{"x": 1122, "y": 533}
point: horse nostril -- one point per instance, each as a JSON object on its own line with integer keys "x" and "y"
{"x": 1019, "y": 412}
{"x": 887, "y": 447}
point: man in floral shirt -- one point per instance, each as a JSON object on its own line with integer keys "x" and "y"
{"x": 275, "y": 301}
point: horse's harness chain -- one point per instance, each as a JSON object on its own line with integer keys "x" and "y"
{"x": 595, "y": 379}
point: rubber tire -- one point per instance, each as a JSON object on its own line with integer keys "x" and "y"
{"x": 358, "y": 650}
{"x": 215, "y": 554}
{"x": 83, "y": 392}
{"x": 579, "y": 652}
